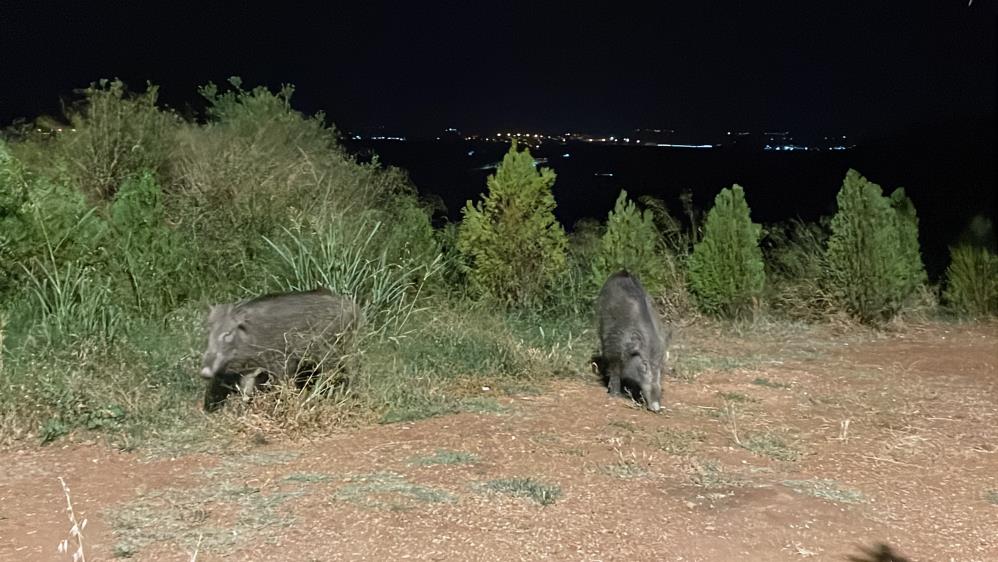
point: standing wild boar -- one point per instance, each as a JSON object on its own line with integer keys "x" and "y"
{"x": 632, "y": 342}
{"x": 287, "y": 334}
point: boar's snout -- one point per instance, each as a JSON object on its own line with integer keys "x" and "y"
{"x": 206, "y": 373}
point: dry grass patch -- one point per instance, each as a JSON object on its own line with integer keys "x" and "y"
{"x": 388, "y": 490}
{"x": 544, "y": 494}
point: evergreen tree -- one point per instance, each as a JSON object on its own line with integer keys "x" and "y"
{"x": 873, "y": 258}
{"x": 632, "y": 242}
{"x": 513, "y": 246}
{"x": 726, "y": 270}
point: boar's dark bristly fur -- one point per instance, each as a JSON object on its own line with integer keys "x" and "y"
{"x": 275, "y": 335}
{"x": 632, "y": 342}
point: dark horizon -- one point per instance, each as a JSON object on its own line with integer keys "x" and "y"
{"x": 867, "y": 71}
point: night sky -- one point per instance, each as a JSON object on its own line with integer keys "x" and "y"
{"x": 860, "y": 68}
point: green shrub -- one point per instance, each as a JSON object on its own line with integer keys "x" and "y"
{"x": 972, "y": 281}
{"x": 632, "y": 242}
{"x": 150, "y": 257}
{"x": 54, "y": 226}
{"x": 513, "y": 245}
{"x": 911, "y": 270}
{"x": 258, "y": 167}
{"x": 113, "y": 134}
{"x": 726, "y": 270}
{"x": 874, "y": 265}
{"x": 13, "y": 196}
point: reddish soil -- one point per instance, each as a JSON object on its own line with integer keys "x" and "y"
{"x": 855, "y": 441}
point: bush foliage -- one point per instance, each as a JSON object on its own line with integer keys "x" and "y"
{"x": 726, "y": 272}
{"x": 121, "y": 222}
{"x": 874, "y": 263}
{"x": 513, "y": 245}
{"x": 972, "y": 281}
{"x": 632, "y": 242}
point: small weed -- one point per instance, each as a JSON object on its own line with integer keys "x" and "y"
{"x": 625, "y": 425}
{"x": 52, "y": 430}
{"x": 445, "y": 457}
{"x": 823, "y": 400}
{"x": 677, "y": 441}
{"x": 762, "y": 381}
{"x": 770, "y": 445}
{"x": 991, "y": 496}
{"x": 543, "y": 494}
{"x": 307, "y": 477}
{"x": 545, "y": 438}
{"x": 624, "y": 469}
{"x": 366, "y": 490}
{"x": 736, "y": 397}
{"x": 824, "y": 489}
{"x": 710, "y": 474}
{"x": 714, "y": 413}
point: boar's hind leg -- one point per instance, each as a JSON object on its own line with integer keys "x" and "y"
{"x": 613, "y": 371}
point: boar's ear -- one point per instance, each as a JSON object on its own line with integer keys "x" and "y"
{"x": 217, "y": 310}
{"x": 211, "y": 312}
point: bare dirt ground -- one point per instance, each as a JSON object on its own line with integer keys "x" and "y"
{"x": 802, "y": 445}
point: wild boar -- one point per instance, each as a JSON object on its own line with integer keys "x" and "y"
{"x": 632, "y": 341}
{"x": 276, "y": 335}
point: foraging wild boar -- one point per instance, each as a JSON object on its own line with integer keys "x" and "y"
{"x": 632, "y": 342}
{"x": 286, "y": 334}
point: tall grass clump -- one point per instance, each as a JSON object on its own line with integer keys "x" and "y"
{"x": 795, "y": 268}
{"x": 874, "y": 264}
{"x": 972, "y": 281}
{"x": 351, "y": 264}
{"x": 726, "y": 270}
{"x": 678, "y": 238}
{"x": 513, "y": 245}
